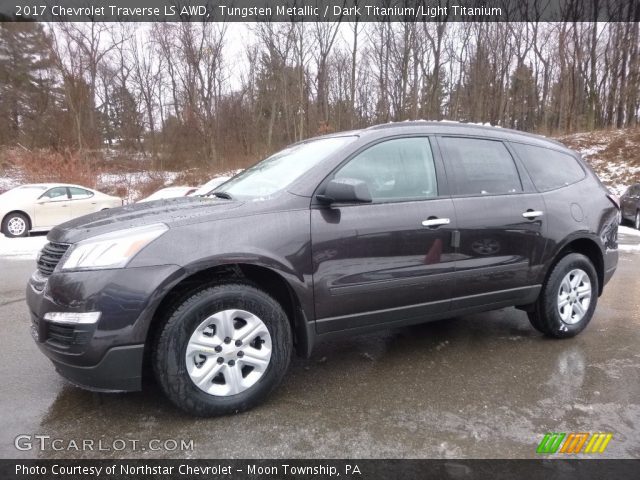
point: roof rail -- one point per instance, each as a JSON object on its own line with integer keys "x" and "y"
{"x": 452, "y": 123}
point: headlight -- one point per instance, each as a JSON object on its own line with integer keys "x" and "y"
{"x": 111, "y": 250}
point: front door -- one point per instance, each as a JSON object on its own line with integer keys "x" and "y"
{"x": 391, "y": 260}
{"x": 52, "y": 208}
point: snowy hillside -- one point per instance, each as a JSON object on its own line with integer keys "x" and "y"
{"x": 613, "y": 154}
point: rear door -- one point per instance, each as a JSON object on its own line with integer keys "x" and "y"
{"x": 82, "y": 201}
{"x": 500, "y": 219}
{"x": 390, "y": 260}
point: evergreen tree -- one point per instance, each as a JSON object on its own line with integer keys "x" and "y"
{"x": 27, "y": 86}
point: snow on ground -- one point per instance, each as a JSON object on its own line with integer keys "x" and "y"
{"x": 24, "y": 248}
{"x": 628, "y": 231}
{"x": 610, "y": 173}
{"x": 593, "y": 150}
{"x": 10, "y": 178}
{"x": 629, "y": 239}
{"x": 629, "y": 248}
{"x": 132, "y": 181}
{"x": 136, "y": 177}
{"x": 611, "y": 153}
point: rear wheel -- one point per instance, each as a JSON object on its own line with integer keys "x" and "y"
{"x": 15, "y": 225}
{"x": 223, "y": 350}
{"x": 636, "y": 220}
{"x": 568, "y": 298}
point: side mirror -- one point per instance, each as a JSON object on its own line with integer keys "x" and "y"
{"x": 345, "y": 190}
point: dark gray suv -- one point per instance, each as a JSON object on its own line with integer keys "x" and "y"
{"x": 392, "y": 225}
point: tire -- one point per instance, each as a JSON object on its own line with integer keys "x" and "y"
{"x": 554, "y": 320}
{"x": 15, "y": 225}
{"x": 204, "y": 318}
{"x": 636, "y": 220}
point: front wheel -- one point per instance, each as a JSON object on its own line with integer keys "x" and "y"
{"x": 636, "y": 220}
{"x": 15, "y": 225}
{"x": 568, "y": 298}
{"x": 223, "y": 350}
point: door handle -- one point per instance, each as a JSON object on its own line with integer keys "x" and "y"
{"x": 435, "y": 222}
{"x": 532, "y": 214}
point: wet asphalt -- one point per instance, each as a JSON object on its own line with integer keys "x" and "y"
{"x": 479, "y": 386}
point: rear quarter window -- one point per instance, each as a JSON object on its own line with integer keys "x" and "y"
{"x": 549, "y": 169}
{"x": 79, "y": 193}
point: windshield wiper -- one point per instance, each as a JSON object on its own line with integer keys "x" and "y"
{"x": 224, "y": 195}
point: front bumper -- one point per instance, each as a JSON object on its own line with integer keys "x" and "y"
{"x": 107, "y": 355}
{"x": 120, "y": 370}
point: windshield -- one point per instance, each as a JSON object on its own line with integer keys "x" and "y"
{"x": 280, "y": 170}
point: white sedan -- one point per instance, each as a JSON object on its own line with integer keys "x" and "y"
{"x": 169, "y": 192}
{"x": 210, "y": 185}
{"x": 42, "y": 206}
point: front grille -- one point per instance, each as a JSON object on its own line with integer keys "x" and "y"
{"x": 50, "y": 257}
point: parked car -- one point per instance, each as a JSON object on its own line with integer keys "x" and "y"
{"x": 210, "y": 185}
{"x": 41, "y": 206}
{"x": 169, "y": 192}
{"x": 384, "y": 227}
{"x": 630, "y": 205}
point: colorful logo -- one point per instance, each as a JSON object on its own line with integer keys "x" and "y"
{"x": 574, "y": 443}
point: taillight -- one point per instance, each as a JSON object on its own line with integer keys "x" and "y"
{"x": 614, "y": 199}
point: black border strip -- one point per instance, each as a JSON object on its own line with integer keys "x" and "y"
{"x": 320, "y": 10}
{"x": 545, "y": 468}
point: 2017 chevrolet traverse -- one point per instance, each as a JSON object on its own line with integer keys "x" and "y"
{"x": 392, "y": 225}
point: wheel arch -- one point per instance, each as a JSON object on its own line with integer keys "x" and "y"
{"x": 264, "y": 278}
{"x": 587, "y": 246}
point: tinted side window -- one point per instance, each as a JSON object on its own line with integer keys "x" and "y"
{"x": 398, "y": 169}
{"x": 480, "y": 167}
{"x": 549, "y": 169}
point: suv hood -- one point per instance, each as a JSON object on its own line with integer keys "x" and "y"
{"x": 172, "y": 212}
